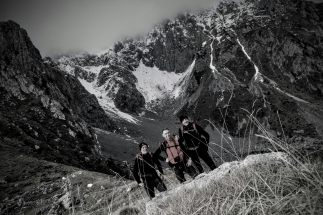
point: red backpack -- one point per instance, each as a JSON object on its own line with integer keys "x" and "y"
{"x": 173, "y": 151}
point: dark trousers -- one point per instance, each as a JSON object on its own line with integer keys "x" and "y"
{"x": 150, "y": 182}
{"x": 204, "y": 155}
{"x": 179, "y": 169}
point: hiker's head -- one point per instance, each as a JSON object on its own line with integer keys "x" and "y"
{"x": 184, "y": 120}
{"x": 166, "y": 134}
{"x": 143, "y": 147}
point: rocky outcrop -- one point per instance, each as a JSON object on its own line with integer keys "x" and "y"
{"x": 127, "y": 53}
{"x": 115, "y": 73}
{"x": 42, "y": 109}
{"x": 173, "y": 45}
{"x": 117, "y": 76}
{"x": 79, "y": 72}
{"x": 81, "y": 59}
{"x": 120, "y": 86}
{"x": 155, "y": 206}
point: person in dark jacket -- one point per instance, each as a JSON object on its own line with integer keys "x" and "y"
{"x": 144, "y": 171}
{"x": 196, "y": 140}
{"x": 177, "y": 158}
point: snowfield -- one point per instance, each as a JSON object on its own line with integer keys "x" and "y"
{"x": 105, "y": 102}
{"x": 152, "y": 83}
{"x": 155, "y": 84}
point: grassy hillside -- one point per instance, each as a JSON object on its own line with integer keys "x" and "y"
{"x": 33, "y": 186}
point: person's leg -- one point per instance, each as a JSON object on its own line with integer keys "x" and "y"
{"x": 149, "y": 187}
{"x": 191, "y": 171}
{"x": 204, "y": 155}
{"x": 159, "y": 184}
{"x": 179, "y": 174}
{"x": 195, "y": 159}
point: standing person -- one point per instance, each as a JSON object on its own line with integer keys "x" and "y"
{"x": 144, "y": 169}
{"x": 176, "y": 156}
{"x": 196, "y": 140}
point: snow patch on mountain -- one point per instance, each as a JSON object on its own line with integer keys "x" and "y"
{"x": 155, "y": 84}
{"x": 93, "y": 69}
{"x": 182, "y": 84}
{"x": 257, "y": 75}
{"x": 105, "y": 102}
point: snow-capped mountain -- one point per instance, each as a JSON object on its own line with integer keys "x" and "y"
{"x": 255, "y": 55}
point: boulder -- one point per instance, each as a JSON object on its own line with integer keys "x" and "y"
{"x": 203, "y": 180}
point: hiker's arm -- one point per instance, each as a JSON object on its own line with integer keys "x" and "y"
{"x": 157, "y": 154}
{"x": 135, "y": 171}
{"x": 159, "y": 166}
{"x": 203, "y": 132}
{"x": 181, "y": 138}
{"x": 183, "y": 148}
{"x": 186, "y": 157}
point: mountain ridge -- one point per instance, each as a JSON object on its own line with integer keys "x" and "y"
{"x": 42, "y": 109}
{"x": 229, "y": 42}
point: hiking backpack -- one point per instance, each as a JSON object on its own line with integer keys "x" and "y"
{"x": 174, "y": 152}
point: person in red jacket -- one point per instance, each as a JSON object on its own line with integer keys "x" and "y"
{"x": 176, "y": 156}
{"x": 144, "y": 171}
{"x": 196, "y": 140}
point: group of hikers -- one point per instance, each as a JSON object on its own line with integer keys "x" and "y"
{"x": 181, "y": 150}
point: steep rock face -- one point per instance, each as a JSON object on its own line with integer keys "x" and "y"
{"x": 115, "y": 73}
{"x": 82, "y": 59}
{"x": 119, "y": 84}
{"x": 269, "y": 59}
{"x": 45, "y": 112}
{"x": 172, "y": 45}
{"x": 118, "y": 78}
{"x": 76, "y": 65}
{"x": 83, "y": 74}
{"x": 127, "y": 52}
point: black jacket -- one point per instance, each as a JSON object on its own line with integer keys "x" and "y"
{"x": 191, "y": 138}
{"x": 145, "y": 165}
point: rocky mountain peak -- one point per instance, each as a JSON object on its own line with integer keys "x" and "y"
{"x": 16, "y": 46}
{"x": 43, "y": 108}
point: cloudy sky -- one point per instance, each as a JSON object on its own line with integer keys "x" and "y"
{"x": 91, "y": 25}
